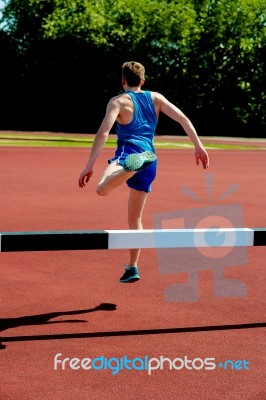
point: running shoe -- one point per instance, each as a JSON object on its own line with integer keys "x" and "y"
{"x": 131, "y": 275}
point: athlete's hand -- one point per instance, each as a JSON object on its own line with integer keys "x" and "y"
{"x": 85, "y": 177}
{"x": 202, "y": 155}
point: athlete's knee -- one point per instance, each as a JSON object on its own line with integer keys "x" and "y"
{"x": 101, "y": 190}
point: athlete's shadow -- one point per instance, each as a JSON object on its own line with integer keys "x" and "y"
{"x": 40, "y": 319}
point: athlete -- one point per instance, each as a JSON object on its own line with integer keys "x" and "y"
{"x": 136, "y": 114}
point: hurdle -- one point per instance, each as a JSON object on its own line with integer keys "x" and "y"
{"x": 131, "y": 239}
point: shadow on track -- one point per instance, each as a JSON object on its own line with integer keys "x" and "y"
{"x": 41, "y": 319}
{"x": 135, "y": 332}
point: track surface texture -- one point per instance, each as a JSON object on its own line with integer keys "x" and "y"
{"x": 72, "y": 303}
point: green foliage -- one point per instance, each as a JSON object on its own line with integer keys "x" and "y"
{"x": 231, "y": 53}
{"x": 108, "y": 22}
{"x": 207, "y": 56}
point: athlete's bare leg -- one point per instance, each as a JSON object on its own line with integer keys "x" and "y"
{"x": 136, "y": 203}
{"x": 113, "y": 176}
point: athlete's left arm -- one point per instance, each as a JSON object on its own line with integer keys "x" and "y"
{"x": 177, "y": 115}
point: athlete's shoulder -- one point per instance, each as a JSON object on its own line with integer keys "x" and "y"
{"x": 157, "y": 99}
{"x": 114, "y": 101}
{"x": 119, "y": 99}
{"x": 156, "y": 96}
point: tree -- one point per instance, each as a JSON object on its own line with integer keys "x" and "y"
{"x": 229, "y": 63}
{"x": 206, "y": 56}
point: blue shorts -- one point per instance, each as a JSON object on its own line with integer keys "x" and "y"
{"x": 141, "y": 180}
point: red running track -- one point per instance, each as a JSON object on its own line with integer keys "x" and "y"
{"x": 50, "y": 301}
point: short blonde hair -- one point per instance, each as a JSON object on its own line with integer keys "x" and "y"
{"x": 133, "y": 72}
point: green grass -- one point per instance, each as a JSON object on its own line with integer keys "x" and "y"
{"x": 73, "y": 141}
{"x": 222, "y": 146}
{"x": 48, "y": 141}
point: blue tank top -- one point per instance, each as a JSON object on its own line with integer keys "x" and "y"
{"x": 140, "y": 131}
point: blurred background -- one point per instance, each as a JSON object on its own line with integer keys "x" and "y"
{"x": 60, "y": 62}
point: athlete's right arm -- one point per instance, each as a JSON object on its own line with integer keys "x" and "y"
{"x": 111, "y": 115}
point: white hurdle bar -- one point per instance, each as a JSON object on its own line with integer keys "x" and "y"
{"x": 131, "y": 239}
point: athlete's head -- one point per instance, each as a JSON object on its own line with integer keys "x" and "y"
{"x": 134, "y": 73}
